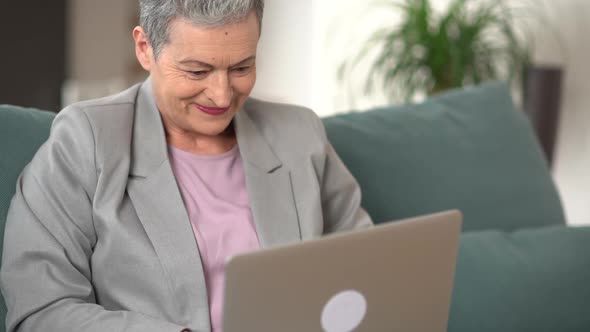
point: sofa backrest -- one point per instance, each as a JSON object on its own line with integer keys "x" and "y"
{"x": 22, "y": 131}
{"x": 467, "y": 149}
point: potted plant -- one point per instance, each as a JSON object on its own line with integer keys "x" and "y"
{"x": 472, "y": 42}
{"x": 428, "y": 52}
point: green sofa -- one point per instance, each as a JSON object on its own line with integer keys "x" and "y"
{"x": 520, "y": 268}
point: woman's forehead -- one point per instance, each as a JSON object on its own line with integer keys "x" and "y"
{"x": 245, "y": 30}
{"x": 233, "y": 42}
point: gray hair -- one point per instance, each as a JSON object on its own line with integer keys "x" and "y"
{"x": 156, "y": 15}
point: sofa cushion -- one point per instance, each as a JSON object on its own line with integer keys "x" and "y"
{"x": 22, "y": 131}
{"x": 466, "y": 149}
{"x": 525, "y": 281}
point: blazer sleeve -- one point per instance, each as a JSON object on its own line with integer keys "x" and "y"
{"x": 45, "y": 275}
{"x": 341, "y": 193}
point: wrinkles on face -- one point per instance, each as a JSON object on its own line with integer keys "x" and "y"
{"x": 210, "y": 67}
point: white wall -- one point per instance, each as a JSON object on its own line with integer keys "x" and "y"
{"x": 570, "y": 18}
{"x": 303, "y": 42}
{"x": 284, "y": 57}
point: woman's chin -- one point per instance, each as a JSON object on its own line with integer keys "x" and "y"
{"x": 220, "y": 129}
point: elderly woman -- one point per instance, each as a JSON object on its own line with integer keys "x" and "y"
{"x": 126, "y": 215}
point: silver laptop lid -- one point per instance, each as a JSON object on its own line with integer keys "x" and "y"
{"x": 396, "y": 276}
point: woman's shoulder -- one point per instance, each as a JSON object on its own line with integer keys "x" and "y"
{"x": 259, "y": 108}
{"x": 101, "y": 126}
{"x": 104, "y": 109}
{"x": 109, "y": 118}
{"x": 290, "y": 129}
{"x": 283, "y": 118}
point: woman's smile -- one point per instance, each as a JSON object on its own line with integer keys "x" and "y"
{"x": 212, "y": 110}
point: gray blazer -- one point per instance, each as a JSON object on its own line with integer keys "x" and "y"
{"x": 97, "y": 236}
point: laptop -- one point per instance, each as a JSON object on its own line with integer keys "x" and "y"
{"x": 396, "y": 276}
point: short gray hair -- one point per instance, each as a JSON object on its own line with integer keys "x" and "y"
{"x": 156, "y": 15}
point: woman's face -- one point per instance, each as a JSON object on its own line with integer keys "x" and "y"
{"x": 202, "y": 76}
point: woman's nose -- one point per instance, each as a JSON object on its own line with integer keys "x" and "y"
{"x": 219, "y": 89}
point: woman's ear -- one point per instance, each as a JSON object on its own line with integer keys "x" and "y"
{"x": 143, "y": 48}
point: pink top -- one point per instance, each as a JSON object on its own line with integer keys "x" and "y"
{"x": 214, "y": 192}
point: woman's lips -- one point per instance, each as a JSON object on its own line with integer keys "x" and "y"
{"x": 213, "y": 110}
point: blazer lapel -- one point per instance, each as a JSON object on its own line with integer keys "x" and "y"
{"x": 153, "y": 190}
{"x": 269, "y": 185}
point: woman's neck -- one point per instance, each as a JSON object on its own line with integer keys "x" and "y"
{"x": 202, "y": 144}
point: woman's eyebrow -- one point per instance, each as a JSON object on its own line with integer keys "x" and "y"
{"x": 248, "y": 59}
{"x": 208, "y": 65}
{"x": 195, "y": 62}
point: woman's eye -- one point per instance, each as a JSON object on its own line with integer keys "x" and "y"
{"x": 199, "y": 73}
{"x": 242, "y": 69}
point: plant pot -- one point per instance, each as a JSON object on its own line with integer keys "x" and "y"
{"x": 542, "y": 101}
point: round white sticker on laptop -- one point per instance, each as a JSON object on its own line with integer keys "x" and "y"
{"x": 344, "y": 312}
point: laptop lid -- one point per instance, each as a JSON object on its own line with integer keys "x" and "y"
{"x": 396, "y": 276}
